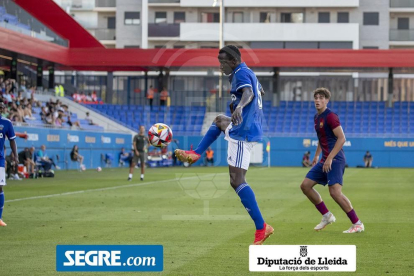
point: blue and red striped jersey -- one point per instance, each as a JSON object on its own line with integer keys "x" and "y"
{"x": 325, "y": 123}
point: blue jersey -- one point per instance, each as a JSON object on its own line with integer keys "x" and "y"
{"x": 250, "y": 129}
{"x": 6, "y": 130}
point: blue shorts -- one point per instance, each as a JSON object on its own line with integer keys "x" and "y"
{"x": 331, "y": 178}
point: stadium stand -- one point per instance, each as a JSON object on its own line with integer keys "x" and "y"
{"x": 175, "y": 116}
{"x": 23, "y": 108}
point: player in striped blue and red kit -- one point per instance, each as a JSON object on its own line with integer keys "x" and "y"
{"x": 331, "y": 168}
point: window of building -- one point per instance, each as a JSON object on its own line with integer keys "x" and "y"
{"x": 265, "y": 17}
{"x": 159, "y": 46}
{"x": 160, "y": 17}
{"x": 370, "y": 47}
{"x": 210, "y": 17}
{"x": 179, "y": 17}
{"x": 132, "y": 18}
{"x": 111, "y": 23}
{"x": 343, "y": 17}
{"x": 237, "y": 17}
{"x": 131, "y": 46}
{"x": 403, "y": 23}
{"x": 324, "y": 17}
{"x": 179, "y": 46}
{"x": 371, "y": 18}
{"x": 291, "y": 17}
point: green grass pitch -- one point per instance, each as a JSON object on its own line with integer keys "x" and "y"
{"x": 199, "y": 220}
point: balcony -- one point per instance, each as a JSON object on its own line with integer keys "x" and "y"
{"x": 163, "y": 1}
{"x": 402, "y": 35}
{"x": 105, "y": 6}
{"x": 104, "y": 34}
{"x": 275, "y": 3}
{"x": 105, "y": 3}
{"x": 271, "y": 32}
{"x": 171, "y": 3}
{"x": 163, "y": 30}
{"x": 401, "y": 4}
{"x": 82, "y": 5}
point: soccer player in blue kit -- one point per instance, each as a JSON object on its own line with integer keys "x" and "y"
{"x": 242, "y": 131}
{"x": 6, "y": 130}
{"x": 331, "y": 168}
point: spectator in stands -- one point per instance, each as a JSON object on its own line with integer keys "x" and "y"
{"x": 150, "y": 96}
{"x": 75, "y": 96}
{"x": 209, "y": 157}
{"x": 368, "y": 159}
{"x": 26, "y": 158}
{"x": 82, "y": 97}
{"x": 14, "y": 113}
{"x": 89, "y": 97}
{"x": 87, "y": 118}
{"x": 27, "y": 111}
{"x": 306, "y": 160}
{"x": 59, "y": 120}
{"x": 7, "y": 96}
{"x": 44, "y": 160}
{"x": 163, "y": 96}
{"x": 76, "y": 157}
{"x": 12, "y": 168}
{"x": 94, "y": 97}
{"x": 70, "y": 123}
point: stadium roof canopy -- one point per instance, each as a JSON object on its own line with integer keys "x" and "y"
{"x": 87, "y": 53}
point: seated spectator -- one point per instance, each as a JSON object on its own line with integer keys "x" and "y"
{"x": 44, "y": 160}
{"x": 89, "y": 97}
{"x": 27, "y": 111}
{"x": 94, "y": 97}
{"x": 59, "y": 120}
{"x": 306, "y": 160}
{"x": 7, "y": 97}
{"x": 82, "y": 97}
{"x": 70, "y": 123}
{"x": 12, "y": 168}
{"x": 26, "y": 158}
{"x": 87, "y": 118}
{"x": 76, "y": 157}
{"x": 368, "y": 159}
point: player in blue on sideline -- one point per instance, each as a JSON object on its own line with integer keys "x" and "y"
{"x": 6, "y": 130}
{"x": 331, "y": 168}
{"x": 242, "y": 131}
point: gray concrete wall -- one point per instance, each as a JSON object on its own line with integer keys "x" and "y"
{"x": 127, "y": 34}
{"x": 374, "y": 35}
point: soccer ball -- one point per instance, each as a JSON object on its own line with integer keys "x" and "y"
{"x": 99, "y": 169}
{"x": 160, "y": 135}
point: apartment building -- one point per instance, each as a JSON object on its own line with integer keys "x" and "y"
{"x": 279, "y": 24}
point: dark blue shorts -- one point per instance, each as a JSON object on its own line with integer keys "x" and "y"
{"x": 330, "y": 178}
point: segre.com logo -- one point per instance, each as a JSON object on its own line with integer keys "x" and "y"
{"x": 109, "y": 258}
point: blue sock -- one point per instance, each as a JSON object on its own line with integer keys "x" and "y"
{"x": 1, "y": 203}
{"x": 212, "y": 134}
{"x": 248, "y": 199}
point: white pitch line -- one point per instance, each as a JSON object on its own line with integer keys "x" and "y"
{"x": 91, "y": 190}
{"x": 113, "y": 187}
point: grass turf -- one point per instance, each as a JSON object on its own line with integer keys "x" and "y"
{"x": 199, "y": 220}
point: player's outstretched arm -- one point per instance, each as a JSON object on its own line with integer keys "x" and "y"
{"x": 248, "y": 95}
